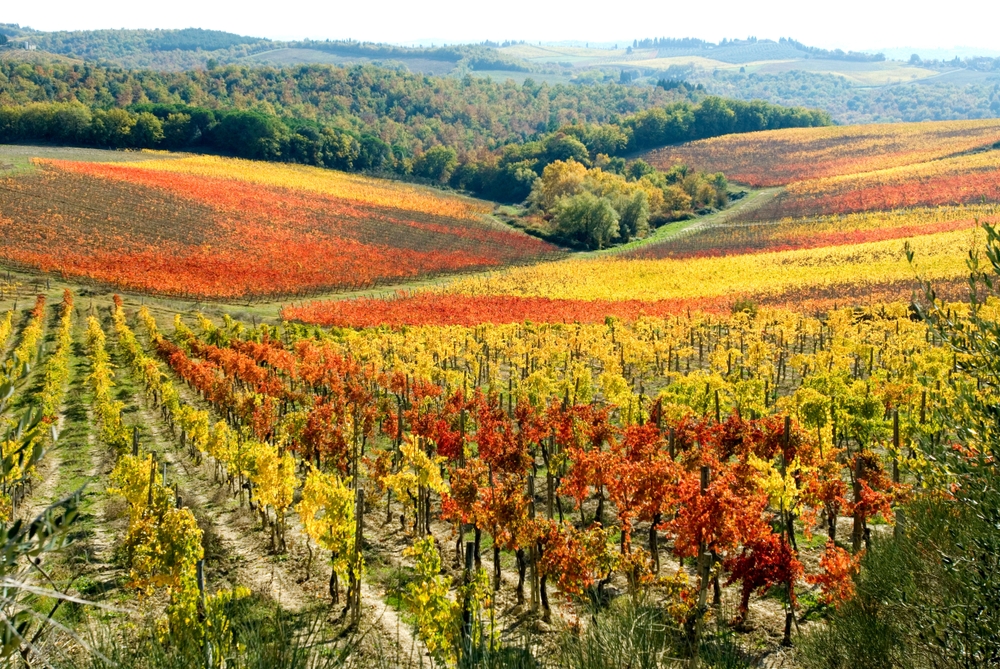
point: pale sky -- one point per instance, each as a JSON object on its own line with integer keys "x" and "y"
{"x": 847, "y": 24}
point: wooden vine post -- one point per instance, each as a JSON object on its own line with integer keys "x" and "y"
{"x": 359, "y": 525}
{"x": 532, "y": 550}
{"x": 703, "y": 573}
{"x": 470, "y": 549}
{"x": 857, "y": 533}
{"x": 788, "y": 516}
{"x": 900, "y": 519}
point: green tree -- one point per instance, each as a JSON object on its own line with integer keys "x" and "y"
{"x": 147, "y": 131}
{"x": 71, "y": 123}
{"x": 113, "y": 128}
{"x": 608, "y": 139}
{"x": 714, "y": 117}
{"x": 373, "y": 153}
{"x": 614, "y": 165}
{"x": 251, "y": 135}
{"x": 436, "y": 163}
{"x": 587, "y": 219}
{"x": 178, "y": 132}
{"x": 564, "y": 147}
{"x": 633, "y": 214}
{"x": 637, "y": 169}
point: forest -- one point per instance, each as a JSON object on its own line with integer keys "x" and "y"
{"x": 402, "y": 108}
{"x": 192, "y": 50}
{"x": 847, "y": 103}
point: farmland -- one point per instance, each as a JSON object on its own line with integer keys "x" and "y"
{"x": 780, "y": 158}
{"x": 803, "y": 265}
{"x": 221, "y": 404}
{"x": 324, "y": 410}
{"x": 703, "y": 60}
{"x": 963, "y": 179}
{"x": 205, "y": 227}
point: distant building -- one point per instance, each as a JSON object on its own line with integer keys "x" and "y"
{"x": 28, "y": 46}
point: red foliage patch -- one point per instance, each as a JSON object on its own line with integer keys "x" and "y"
{"x": 204, "y": 237}
{"x": 443, "y": 309}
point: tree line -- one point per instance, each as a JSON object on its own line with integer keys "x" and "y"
{"x": 509, "y": 174}
{"x": 506, "y": 174}
{"x": 409, "y": 111}
{"x": 191, "y": 48}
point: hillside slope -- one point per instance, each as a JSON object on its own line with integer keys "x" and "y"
{"x": 222, "y": 228}
{"x": 779, "y": 157}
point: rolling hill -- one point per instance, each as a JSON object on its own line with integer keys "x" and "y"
{"x": 228, "y": 229}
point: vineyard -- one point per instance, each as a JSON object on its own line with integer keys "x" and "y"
{"x": 229, "y": 229}
{"x": 821, "y": 232}
{"x": 966, "y": 179}
{"x": 816, "y": 243}
{"x": 806, "y": 266}
{"x": 726, "y": 446}
{"x": 702, "y": 462}
{"x": 779, "y": 157}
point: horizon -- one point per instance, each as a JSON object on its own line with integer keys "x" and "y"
{"x": 891, "y": 52}
{"x": 450, "y": 22}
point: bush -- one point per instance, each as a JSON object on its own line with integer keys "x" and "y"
{"x": 266, "y": 638}
{"x": 744, "y": 305}
{"x": 929, "y": 596}
{"x": 633, "y": 215}
{"x": 642, "y": 635}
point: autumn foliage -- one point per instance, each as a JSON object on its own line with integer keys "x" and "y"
{"x": 778, "y": 157}
{"x": 235, "y": 229}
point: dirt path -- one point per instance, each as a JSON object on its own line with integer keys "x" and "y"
{"x": 43, "y": 490}
{"x": 244, "y": 544}
{"x": 101, "y": 542}
{"x": 87, "y": 460}
{"x": 751, "y": 202}
{"x": 241, "y": 547}
{"x": 374, "y": 602}
{"x": 49, "y": 472}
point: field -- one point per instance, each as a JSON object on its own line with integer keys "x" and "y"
{"x": 859, "y": 74}
{"x": 575, "y": 55}
{"x": 963, "y": 179}
{"x": 760, "y": 58}
{"x": 807, "y": 264}
{"x": 681, "y": 449}
{"x": 780, "y": 157}
{"x": 831, "y": 236}
{"x": 286, "y": 57}
{"x": 229, "y": 229}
